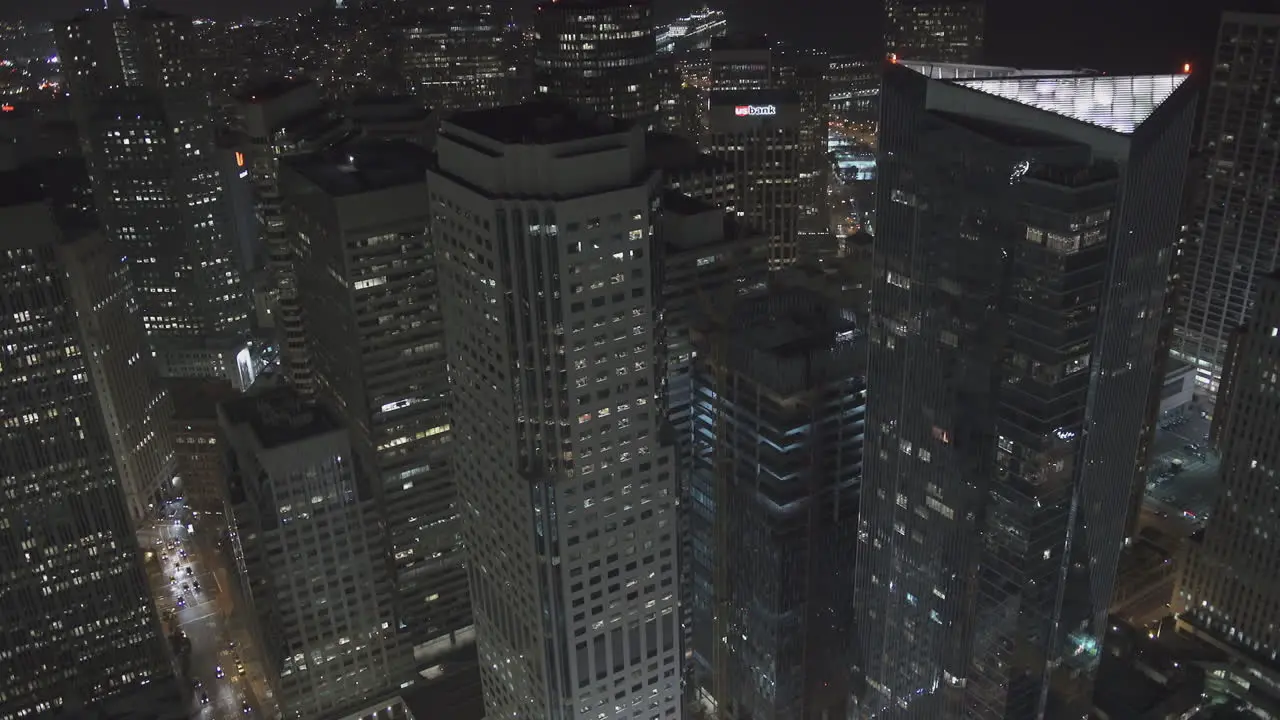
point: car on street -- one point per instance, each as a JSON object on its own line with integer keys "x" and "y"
{"x": 217, "y": 671}
{"x": 196, "y": 584}
{"x": 204, "y": 698}
{"x": 246, "y": 709}
{"x": 182, "y": 602}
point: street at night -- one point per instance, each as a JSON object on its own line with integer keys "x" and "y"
{"x": 208, "y": 616}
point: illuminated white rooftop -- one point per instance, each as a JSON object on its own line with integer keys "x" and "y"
{"x": 964, "y": 71}
{"x": 1119, "y": 103}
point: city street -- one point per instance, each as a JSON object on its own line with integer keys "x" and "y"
{"x": 207, "y": 617}
{"x": 1188, "y": 493}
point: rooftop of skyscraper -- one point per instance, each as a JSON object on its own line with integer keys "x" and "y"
{"x": 280, "y": 417}
{"x": 770, "y": 96}
{"x": 267, "y": 89}
{"x": 363, "y": 165}
{"x": 542, "y": 120}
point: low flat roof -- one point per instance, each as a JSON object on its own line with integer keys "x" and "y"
{"x": 280, "y": 417}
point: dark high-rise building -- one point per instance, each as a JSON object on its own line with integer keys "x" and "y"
{"x": 778, "y": 403}
{"x": 367, "y": 276}
{"x": 741, "y": 62}
{"x": 757, "y": 133}
{"x": 77, "y": 624}
{"x": 296, "y": 495}
{"x": 276, "y": 119}
{"x": 601, "y": 54}
{"x": 1026, "y": 224}
{"x": 144, "y": 119}
{"x": 1236, "y": 234}
{"x": 1228, "y": 589}
{"x": 947, "y": 31}
{"x": 453, "y": 56}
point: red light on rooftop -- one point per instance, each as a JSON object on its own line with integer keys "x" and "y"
{"x": 6, "y": 108}
{"x": 1186, "y": 68}
{"x": 893, "y": 58}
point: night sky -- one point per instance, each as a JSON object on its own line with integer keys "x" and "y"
{"x": 1109, "y": 35}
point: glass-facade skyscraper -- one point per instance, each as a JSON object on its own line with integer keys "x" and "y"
{"x": 935, "y": 30}
{"x": 1026, "y": 225}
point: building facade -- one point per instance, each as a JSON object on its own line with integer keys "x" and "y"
{"x": 545, "y": 217}
{"x": 145, "y": 121}
{"x": 758, "y": 135}
{"x": 1021, "y": 264}
{"x": 77, "y": 623}
{"x": 452, "y": 56}
{"x": 778, "y": 403}
{"x": 368, "y": 278}
{"x": 296, "y": 496}
{"x": 944, "y": 31}
{"x": 1227, "y": 592}
{"x": 279, "y": 118}
{"x": 601, "y": 54}
{"x": 1234, "y": 236}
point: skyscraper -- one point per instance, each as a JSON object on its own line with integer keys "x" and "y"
{"x": 777, "y": 420}
{"x": 134, "y": 404}
{"x": 1227, "y": 590}
{"x": 325, "y": 616}
{"x": 949, "y": 31}
{"x": 367, "y": 277}
{"x": 757, "y": 133}
{"x": 544, "y": 215}
{"x": 144, "y": 119}
{"x": 77, "y": 624}
{"x": 1236, "y": 234}
{"x": 598, "y": 53}
{"x": 453, "y": 56}
{"x": 278, "y": 118}
{"x": 1026, "y": 224}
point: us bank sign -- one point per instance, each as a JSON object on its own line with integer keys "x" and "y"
{"x": 754, "y": 110}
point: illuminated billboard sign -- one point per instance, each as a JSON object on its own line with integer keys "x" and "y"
{"x": 754, "y": 110}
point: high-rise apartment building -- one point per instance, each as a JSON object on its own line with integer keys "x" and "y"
{"x": 145, "y": 122}
{"x": 278, "y": 118}
{"x": 308, "y": 546}
{"x": 778, "y": 403}
{"x": 367, "y": 276}
{"x": 77, "y": 624}
{"x": 758, "y": 134}
{"x": 1228, "y": 590}
{"x": 944, "y": 31}
{"x": 1026, "y": 225}
{"x": 453, "y": 55}
{"x": 1235, "y": 237}
{"x": 544, "y": 214}
{"x": 601, "y": 54}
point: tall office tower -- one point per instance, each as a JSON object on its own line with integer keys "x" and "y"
{"x": 758, "y": 134}
{"x": 680, "y": 103}
{"x": 278, "y": 118}
{"x": 144, "y": 122}
{"x": 945, "y": 31}
{"x": 805, "y": 73}
{"x": 1228, "y": 588}
{"x": 601, "y": 54}
{"x": 296, "y": 496}
{"x": 393, "y": 117}
{"x": 708, "y": 259}
{"x": 1236, "y": 237}
{"x": 77, "y": 625}
{"x": 134, "y": 404}
{"x": 778, "y": 388}
{"x": 368, "y": 279}
{"x": 1026, "y": 225}
{"x": 545, "y": 217}
{"x": 452, "y": 56}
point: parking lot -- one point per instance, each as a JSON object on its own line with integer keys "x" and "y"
{"x": 1184, "y": 473}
